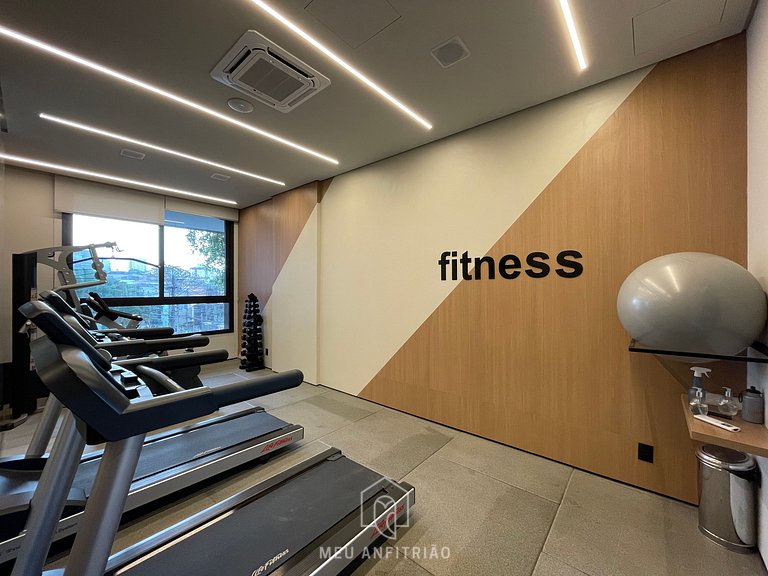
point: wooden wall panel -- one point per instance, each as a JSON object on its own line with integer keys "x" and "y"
{"x": 256, "y": 254}
{"x": 267, "y": 233}
{"x": 542, "y": 364}
{"x": 291, "y": 212}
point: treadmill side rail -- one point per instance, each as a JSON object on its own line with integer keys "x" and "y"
{"x": 368, "y": 534}
{"x": 169, "y": 481}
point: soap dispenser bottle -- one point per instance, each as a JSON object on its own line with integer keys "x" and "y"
{"x": 728, "y": 406}
{"x": 698, "y": 406}
{"x": 698, "y": 371}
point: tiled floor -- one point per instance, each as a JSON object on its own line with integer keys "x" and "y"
{"x": 496, "y": 509}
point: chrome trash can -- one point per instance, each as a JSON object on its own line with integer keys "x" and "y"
{"x": 728, "y": 497}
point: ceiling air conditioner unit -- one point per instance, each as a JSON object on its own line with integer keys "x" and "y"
{"x": 261, "y": 69}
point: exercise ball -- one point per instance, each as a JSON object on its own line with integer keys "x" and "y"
{"x": 692, "y": 302}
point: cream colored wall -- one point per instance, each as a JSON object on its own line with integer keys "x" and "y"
{"x": 461, "y": 193}
{"x": 757, "y": 126}
{"x": 29, "y": 222}
{"x": 291, "y": 317}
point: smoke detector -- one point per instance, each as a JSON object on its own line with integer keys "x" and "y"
{"x": 261, "y": 69}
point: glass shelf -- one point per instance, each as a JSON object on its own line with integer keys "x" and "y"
{"x": 756, "y": 353}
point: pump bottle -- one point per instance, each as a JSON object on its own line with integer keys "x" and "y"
{"x": 698, "y": 371}
{"x": 728, "y": 406}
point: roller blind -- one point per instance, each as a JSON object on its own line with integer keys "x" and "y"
{"x": 201, "y": 209}
{"x": 96, "y": 199}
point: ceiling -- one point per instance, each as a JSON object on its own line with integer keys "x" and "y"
{"x": 520, "y": 56}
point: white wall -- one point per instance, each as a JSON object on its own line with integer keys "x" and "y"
{"x": 757, "y": 122}
{"x": 28, "y": 222}
{"x": 460, "y": 193}
{"x": 291, "y": 312}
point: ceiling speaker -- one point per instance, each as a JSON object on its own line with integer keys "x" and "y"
{"x": 450, "y": 52}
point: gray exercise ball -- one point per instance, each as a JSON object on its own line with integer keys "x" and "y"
{"x": 692, "y": 302}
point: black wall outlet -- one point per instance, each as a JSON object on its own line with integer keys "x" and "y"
{"x": 645, "y": 452}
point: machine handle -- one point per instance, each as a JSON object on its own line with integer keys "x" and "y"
{"x": 176, "y": 361}
{"x": 158, "y": 378}
{"x": 256, "y": 387}
{"x": 111, "y": 313}
{"x": 144, "y": 333}
{"x": 133, "y": 347}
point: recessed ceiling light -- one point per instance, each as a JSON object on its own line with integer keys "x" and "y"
{"x": 569, "y": 22}
{"x": 106, "y": 71}
{"x": 341, "y": 62}
{"x": 240, "y": 105}
{"x": 121, "y": 137}
{"x": 79, "y": 171}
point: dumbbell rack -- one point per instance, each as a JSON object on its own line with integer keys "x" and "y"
{"x": 252, "y": 351}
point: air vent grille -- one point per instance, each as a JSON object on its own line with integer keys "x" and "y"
{"x": 450, "y": 52}
{"x": 134, "y": 154}
{"x": 258, "y": 67}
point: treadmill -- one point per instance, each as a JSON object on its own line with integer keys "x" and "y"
{"x": 171, "y": 460}
{"x": 312, "y": 519}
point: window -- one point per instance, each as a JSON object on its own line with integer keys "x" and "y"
{"x": 178, "y": 274}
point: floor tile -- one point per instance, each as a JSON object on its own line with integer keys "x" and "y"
{"x": 320, "y": 414}
{"x": 489, "y": 527}
{"x": 352, "y": 400}
{"x": 390, "y": 442}
{"x": 221, "y": 379}
{"x": 549, "y": 566}
{"x": 605, "y": 528}
{"x": 534, "y": 474}
{"x": 228, "y": 366}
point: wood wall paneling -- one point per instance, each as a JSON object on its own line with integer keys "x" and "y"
{"x": 542, "y": 364}
{"x": 267, "y": 233}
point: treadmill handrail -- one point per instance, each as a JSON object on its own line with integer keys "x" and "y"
{"x": 66, "y": 366}
{"x": 130, "y": 347}
{"x": 101, "y": 307}
{"x": 176, "y": 361}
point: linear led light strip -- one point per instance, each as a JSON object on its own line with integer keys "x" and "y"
{"x": 566, "y": 8}
{"x": 141, "y": 143}
{"x": 44, "y": 47}
{"x": 341, "y": 62}
{"x": 61, "y": 168}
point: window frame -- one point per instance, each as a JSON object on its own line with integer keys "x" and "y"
{"x": 67, "y": 233}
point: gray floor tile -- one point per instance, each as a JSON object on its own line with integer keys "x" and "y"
{"x": 320, "y": 414}
{"x": 352, "y": 400}
{"x": 390, "y": 442}
{"x": 538, "y": 475}
{"x": 608, "y": 529}
{"x": 15, "y": 441}
{"x": 392, "y": 566}
{"x": 220, "y": 379}
{"x": 279, "y": 399}
{"x": 549, "y": 566}
{"x": 226, "y": 367}
{"x": 490, "y": 527}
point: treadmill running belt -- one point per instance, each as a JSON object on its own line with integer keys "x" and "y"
{"x": 176, "y": 450}
{"x": 279, "y": 522}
